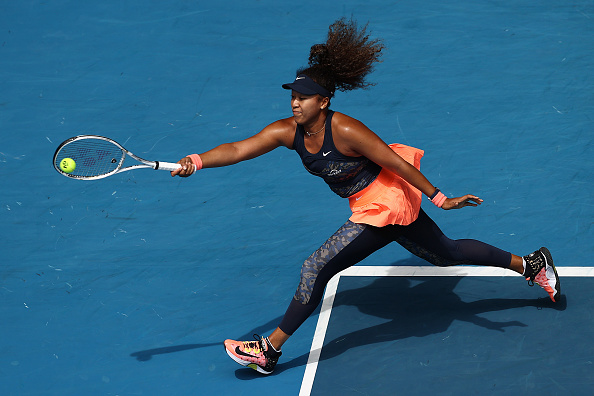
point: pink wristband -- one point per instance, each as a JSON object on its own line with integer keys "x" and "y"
{"x": 196, "y": 160}
{"x": 439, "y": 199}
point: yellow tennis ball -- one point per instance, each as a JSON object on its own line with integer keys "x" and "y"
{"x": 68, "y": 165}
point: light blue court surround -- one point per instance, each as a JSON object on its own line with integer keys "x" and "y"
{"x": 129, "y": 285}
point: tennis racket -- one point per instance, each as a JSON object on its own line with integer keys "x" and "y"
{"x": 95, "y": 157}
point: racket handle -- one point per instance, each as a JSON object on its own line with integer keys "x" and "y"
{"x": 168, "y": 166}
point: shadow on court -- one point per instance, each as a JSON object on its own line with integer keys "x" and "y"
{"x": 413, "y": 307}
{"x": 143, "y": 356}
{"x": 427, "y": 308}
{"x": 146, "y": 355}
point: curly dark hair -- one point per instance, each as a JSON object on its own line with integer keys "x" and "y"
{"x": 347, "y": 57}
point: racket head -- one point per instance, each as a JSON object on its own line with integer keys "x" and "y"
{"x": 95, "y": 157}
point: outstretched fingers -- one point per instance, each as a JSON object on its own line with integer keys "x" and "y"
{"x": 460, "y": 202}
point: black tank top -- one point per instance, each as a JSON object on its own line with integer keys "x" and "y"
{"x": 344, "y": 175}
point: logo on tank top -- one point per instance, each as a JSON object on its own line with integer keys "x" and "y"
{"x": 325, "y": 154}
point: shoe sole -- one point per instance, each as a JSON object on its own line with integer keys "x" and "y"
{"x": 242, "y": 362}
{"x": 549, "y": 262}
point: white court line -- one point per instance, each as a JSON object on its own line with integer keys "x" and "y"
{"x": 332, "y": 287}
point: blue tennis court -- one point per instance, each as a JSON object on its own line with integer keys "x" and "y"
{"x": 129, "y": 285}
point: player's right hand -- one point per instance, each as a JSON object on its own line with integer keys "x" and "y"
{"x": 187, "y": 169}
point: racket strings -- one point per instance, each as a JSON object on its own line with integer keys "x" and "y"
{"x": 93, "y": 157}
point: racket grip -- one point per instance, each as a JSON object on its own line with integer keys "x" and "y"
{"x": 167, "y": 166}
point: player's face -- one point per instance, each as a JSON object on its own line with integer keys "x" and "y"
{"x": 307, "y": 108}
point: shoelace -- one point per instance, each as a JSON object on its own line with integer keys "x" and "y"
{"x": 249, "y": 346}
{"x": 535, "y": 262}
{"x": 256, "y": 345}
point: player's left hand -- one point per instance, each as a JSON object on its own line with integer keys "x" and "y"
{"x": 460, "y": 202}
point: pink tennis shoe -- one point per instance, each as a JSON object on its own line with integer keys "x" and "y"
{"x": 258, "y": 355}
{"x": 541, "y": 270}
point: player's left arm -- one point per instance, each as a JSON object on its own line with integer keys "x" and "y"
{"x": 356, "y": 139}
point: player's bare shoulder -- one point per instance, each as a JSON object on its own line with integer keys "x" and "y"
{"x": 349, "y": 133}
{"x": 282, "y": 130}
{"x": 346, "y": 127}
{"x": 344, "y": 124}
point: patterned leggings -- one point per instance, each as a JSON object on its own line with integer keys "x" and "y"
{"x": 354, "y": 242}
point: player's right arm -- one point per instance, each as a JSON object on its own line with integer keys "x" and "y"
{"x": 279, "y": 133}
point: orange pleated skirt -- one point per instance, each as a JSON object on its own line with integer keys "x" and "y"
{"x": 389, "y": 199}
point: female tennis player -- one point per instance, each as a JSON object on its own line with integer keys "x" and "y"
{"x": 382, "y": 183}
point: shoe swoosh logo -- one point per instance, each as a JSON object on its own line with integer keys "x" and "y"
{"x": 325, "y": 154}
{"x": 242, "y": 353}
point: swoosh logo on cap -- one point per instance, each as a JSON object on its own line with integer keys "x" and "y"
{"x": 299, "y": 78}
